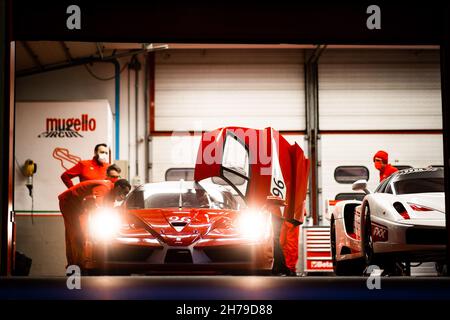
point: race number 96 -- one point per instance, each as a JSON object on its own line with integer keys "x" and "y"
{"x": 278, "y": 188}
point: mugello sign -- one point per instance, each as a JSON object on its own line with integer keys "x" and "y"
{"x": 55, "y": 135}
{"x": 68, "y": 127}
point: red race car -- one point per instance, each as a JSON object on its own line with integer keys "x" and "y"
{"x": 180, "y": 226}
{"x": 198, "y": 226}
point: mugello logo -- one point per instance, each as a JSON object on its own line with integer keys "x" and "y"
{"x": 68, "y": 128}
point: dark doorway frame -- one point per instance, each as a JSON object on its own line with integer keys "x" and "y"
{"x": 249, "y": 22}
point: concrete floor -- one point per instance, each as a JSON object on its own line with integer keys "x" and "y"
{"x": 226, "y": 288}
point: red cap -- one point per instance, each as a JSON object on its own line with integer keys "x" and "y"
{"x": 383, "y": 155}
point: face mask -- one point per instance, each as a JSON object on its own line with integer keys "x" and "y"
{"x": 113, "y": 179}
{"x": 378, "y": 165}
{"x": 103, "y": 157}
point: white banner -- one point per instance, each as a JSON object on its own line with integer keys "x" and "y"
{"x": 55, "y": 135}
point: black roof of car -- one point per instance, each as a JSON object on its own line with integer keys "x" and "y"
{"x": 413, "y": 173}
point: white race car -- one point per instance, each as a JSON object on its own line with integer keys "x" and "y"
{"x": 403, "y": 221}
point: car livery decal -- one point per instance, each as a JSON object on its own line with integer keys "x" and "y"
{"x": 277, "y": 184}
{"x": 356, "y": 225}
{"x": 379, "y": 233}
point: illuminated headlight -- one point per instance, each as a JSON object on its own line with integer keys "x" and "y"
{"x": 104, "y": 224}
{"x": 254, "y": 225}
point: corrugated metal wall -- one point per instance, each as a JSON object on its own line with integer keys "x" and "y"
{"x": 379, "y": 90}
{"x": 173, "y": 152}
{"x": 207, "y": 89}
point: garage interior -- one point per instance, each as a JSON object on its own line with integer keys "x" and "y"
{"x": 328, "y": 98}
{"x": 389, "y": 96}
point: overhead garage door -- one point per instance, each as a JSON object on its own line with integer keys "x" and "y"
{"x": 379, "y": 90}
{"x": 207, "y": 89}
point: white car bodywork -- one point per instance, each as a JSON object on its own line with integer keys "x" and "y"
{"x": 417, "y": 234}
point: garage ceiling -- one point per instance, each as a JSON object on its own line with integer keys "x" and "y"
{"x": 35, "y": 56}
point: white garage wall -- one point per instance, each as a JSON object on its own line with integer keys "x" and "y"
{"x": 33, "y": 144}
{"x": 379, "y": 90}
{"x": 208, "y": 89}
{"x": 416, "y": 150}
{"x": 173, "y": 152}
{"x": 76, "y": 83}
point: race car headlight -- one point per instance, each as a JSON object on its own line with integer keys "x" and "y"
{"x": 104, "y": 224}
{"x": 254, "y": 225}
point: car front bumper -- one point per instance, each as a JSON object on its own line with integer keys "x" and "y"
{"x": 160, "y": 258}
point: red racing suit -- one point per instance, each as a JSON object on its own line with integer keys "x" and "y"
{"x": 387, "y": 171}
{"x": 85, "y": 170}
{"x": 71, "y": 206}
{"x": 289, "y": 243}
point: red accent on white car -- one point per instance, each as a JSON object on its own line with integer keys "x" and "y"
{"x": 417, "y": 207}
{"x": 405, "y": 215}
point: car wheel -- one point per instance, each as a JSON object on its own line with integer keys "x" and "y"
{"x": 367, "y": 238}
{"x": 394, "y": 268}
{"x": 333, "y": 243}
{"x": 354, "y": 267}
{"x": 441, "y": 268}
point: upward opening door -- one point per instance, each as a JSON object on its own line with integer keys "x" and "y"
{"x": 257, "y": 164}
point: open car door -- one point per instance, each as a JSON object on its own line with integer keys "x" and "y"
{"x": 257, "y": 164}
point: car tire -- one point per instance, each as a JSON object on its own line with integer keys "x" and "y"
{"x": 441, "y": 268}
{"x": 353, "y": 267}
{"x": 369, "y": 255}
{"x": 333, "y": 243}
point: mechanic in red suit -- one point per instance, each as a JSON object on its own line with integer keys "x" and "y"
{"x": 94, "y": 169}
{"x": 289, "y": 237}
{"x": 286, "y": 237}
{"x": 380, "y": 160}
{"x": 75, "y": 200}
{"x": 289, "y": 243}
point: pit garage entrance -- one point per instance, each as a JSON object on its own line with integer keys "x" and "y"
{"x": 386, "y": 89}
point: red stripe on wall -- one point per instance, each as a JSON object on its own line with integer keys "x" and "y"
{"x": 381, "y": 132}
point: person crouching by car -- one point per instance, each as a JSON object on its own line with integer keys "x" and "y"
{"x": 380, "y": 160}
{"x": 113, "y": 173}
{"x": 72, "y": 202}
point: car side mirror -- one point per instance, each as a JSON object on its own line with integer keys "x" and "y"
{"x": 275, "y": 201}
{"x": 360, "y": 185}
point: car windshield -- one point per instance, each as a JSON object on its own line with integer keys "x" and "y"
{"x": 181, "y": 194}
{"x": 421, "y": 185}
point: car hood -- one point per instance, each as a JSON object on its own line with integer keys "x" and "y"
{"x": 182, "y": 227}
